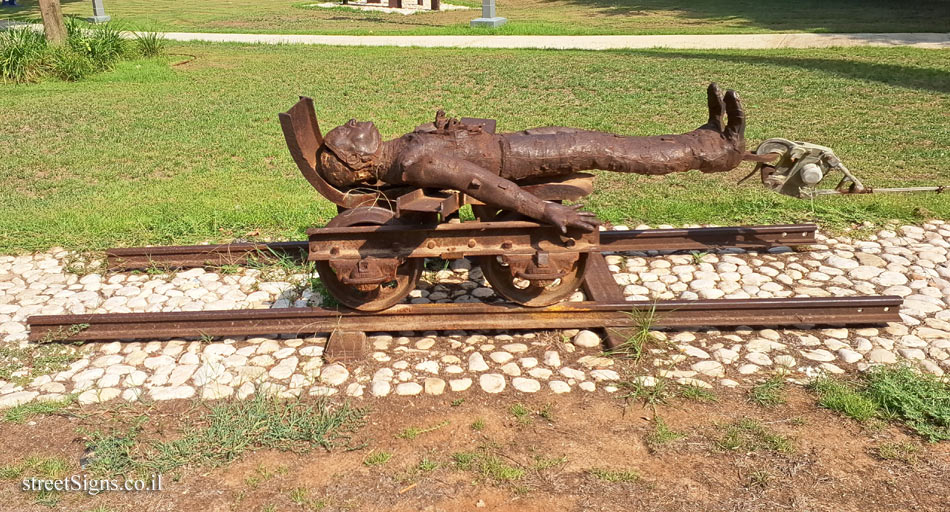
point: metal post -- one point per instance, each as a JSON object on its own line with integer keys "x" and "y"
{"x": 98, "y": 13}
{"x": 488, "y": 19}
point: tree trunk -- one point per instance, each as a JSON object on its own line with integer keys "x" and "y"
{"x": 53, "y": 21}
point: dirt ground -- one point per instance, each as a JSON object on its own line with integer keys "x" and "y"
{"x": 833, "y": 465}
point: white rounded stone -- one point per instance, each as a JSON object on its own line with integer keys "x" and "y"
{"x": 457, "y": 385}
{"x": 501, "y": 357}
{"x": 492, "y": 382}
{"x": 849, "y": 356}
{"x": 525, "y": 385}
{"x": 434, "y": 386}
{"x": 334, "y": 374}
{"x": 559, "y": 386}
{"x": 476, "y": 363}
{"x": 587, "y": 339}
{"x": 172, "y": 392}
{"x": 428, "y": 367}
{"x": 819, "y": 354}
{"x": 380, "y": 387}
{"x": 408, "y": 388}
{"x": 710, "y": 368}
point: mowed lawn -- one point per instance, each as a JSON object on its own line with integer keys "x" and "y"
{"x": 159, "y": 153}
{"x": 526, "y": 16}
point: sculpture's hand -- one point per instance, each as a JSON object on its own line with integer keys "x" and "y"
{"x": 721, "y": 147}
{"x": 570, "y": 216}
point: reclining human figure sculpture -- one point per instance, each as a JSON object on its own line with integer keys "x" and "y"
{"x": 486, "y": 165}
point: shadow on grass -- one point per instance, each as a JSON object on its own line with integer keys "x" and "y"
{"x": 29, "y": 10}
{"x": 805, "y": 15}
{"x": 910, "y": 77}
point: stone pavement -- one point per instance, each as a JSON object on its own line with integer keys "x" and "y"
{"x": 609, "y": 42}
{"x": 910, "y": 261}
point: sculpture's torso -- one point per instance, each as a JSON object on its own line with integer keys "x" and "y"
{"x": 555, "y": 151}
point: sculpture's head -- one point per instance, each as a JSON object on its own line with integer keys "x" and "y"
{"x": 353, "y": 151}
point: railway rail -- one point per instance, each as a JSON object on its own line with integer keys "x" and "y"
{"x": 613, "y": 316}
{"x": 683, "y": 239}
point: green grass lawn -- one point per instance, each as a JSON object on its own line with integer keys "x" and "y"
{"x": 526, "y": 16}
{"x": 160, "y": 154}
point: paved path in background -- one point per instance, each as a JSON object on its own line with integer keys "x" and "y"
{"x": 717, "y": 41}
{"x": 712, "y": 41}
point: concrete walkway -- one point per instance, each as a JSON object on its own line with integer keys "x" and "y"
{"x": 713, "y": 41}
{"x": 717, "y": 41}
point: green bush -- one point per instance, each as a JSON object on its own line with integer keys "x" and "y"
{"x": 70, "y": 65}
{"x": 25, "y": 55}
{"x": 150, "y": 44}
{"x": 22, "y": 52}
{"x": 103, "y": 45}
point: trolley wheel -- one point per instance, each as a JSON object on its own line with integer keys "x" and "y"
{"x": 522, "y": 291}
{"x": 532, "y": 293}
{"x": 385, "y": 295}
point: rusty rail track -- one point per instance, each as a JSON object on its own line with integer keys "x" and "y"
{"x": 746, "y": 237}
{"x": 613, "y": 315}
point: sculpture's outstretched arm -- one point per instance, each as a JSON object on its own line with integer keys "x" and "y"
{"x": 426, "y": 170}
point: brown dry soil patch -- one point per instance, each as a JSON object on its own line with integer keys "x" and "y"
{"x": 833, "y": 464}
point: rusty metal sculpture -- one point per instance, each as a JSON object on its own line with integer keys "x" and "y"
{"x": 392, "y": 196}
{"x": 466, "y": 157}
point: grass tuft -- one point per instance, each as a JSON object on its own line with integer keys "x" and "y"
{"x": 769, "y": 393}
{"x": 749, "y": 435}
{"x": 521, "y": 413}
{"x": 840, "y": 396}
{"x": 698, "y": 394}
{"x": 661, "y": 435}
{"x": 614, "y": 475}
{"x": 23, "y": 412}
{"x": 905, "y": 452}
{"x": 426, "y": 465}
{"x": 487, "y": 464}
{"x": 377, "y": 458}
{"x": 898, "y": 393}
{"x": 228, "y": 430}
{"x": 150, "y": 44}
{"x": 658, "y": 393}
{"x": 40, "y": 467}
{"x": 23, "y": 364}
{"x": 921, "y": 401}
{"x": 411, "y": 433}
{"x": 635, "y": 345}
{"x": 542, "y": 463}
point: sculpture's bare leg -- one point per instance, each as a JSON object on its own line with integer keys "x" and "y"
{"x": 552, "y": 151}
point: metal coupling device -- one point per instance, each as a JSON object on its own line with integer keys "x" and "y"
{"x": 797, "y": 169}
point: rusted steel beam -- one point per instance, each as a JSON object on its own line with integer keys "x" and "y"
{"x": 600, "y": 286}
{"x": 423, "y": 317}
{"x": 748, "y": 237}
{"x": 445, "y": 240}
